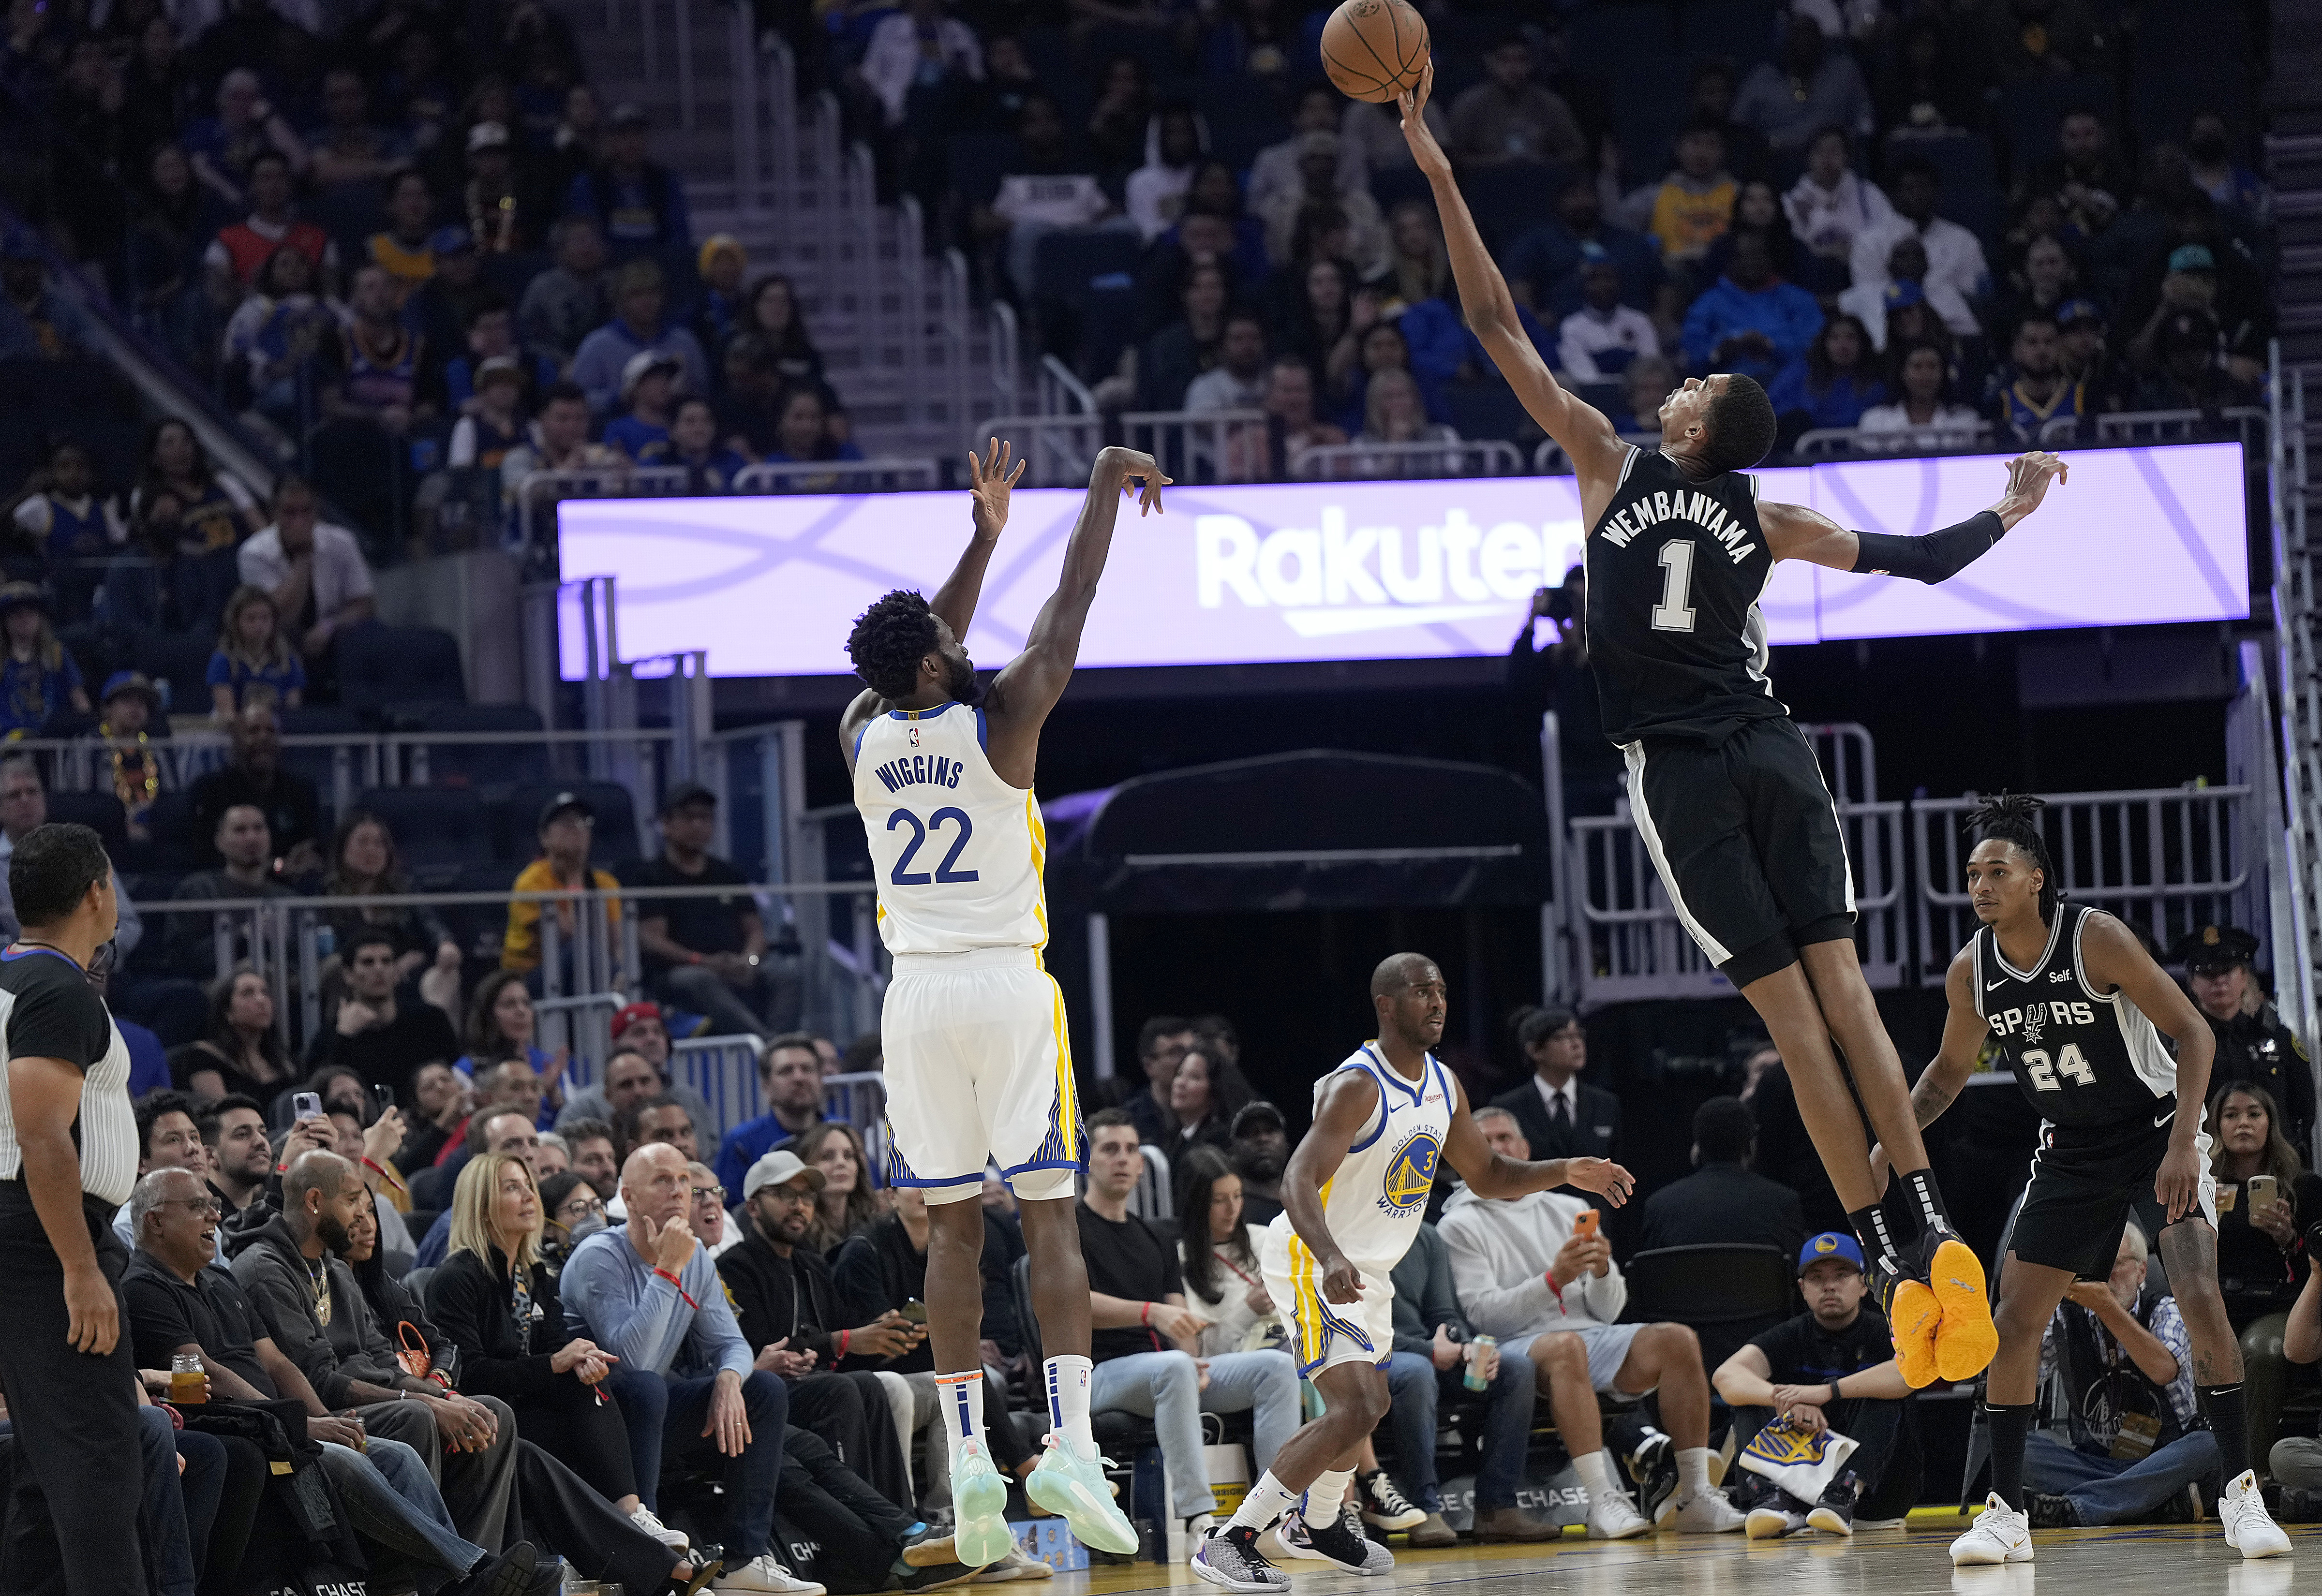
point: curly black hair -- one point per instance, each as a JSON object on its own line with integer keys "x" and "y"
{"x": 888, "y": 641}
{"x": 2013, "y": 819}
{"x": 1741, "y": 426}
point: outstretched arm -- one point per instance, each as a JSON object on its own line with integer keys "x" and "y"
{"x": 1793, "y": 531}
{"x": 1580, "y": 430}
{"x": 1494, "y": 1174}
{"x": 1022, "y": 694}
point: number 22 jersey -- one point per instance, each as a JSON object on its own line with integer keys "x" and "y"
{"x": 2088, "y": 1062}
{"x": 955, "y": 850}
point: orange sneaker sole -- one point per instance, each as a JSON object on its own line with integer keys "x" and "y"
{"x": 1917, "y": 1318}
{"x": 1966, "y": 1339}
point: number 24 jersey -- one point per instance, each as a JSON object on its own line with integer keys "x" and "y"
{"x": 957, "y": 850}
{"x": 2085, "y": 1059}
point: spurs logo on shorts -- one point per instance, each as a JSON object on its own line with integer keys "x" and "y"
{"x": 1373, "y": 1206}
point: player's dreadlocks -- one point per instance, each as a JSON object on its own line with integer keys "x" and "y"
{"x": 888, "y": 641}
{"x": 2013, "y": 819}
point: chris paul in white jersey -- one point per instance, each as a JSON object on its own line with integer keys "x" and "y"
{"x": 978, "y": 1065}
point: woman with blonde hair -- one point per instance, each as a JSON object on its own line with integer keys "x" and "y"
{"x": 252, "y": 655}
{"x": 848, "y": 1202}
{"x": 495, "y": 1300}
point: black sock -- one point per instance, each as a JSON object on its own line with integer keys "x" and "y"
{"x": 2010, "y": 1425}
{"x": 2229, "y": 1424}
{"x": 1871, "y": 1229}
{"x": 1927, "y": 1202}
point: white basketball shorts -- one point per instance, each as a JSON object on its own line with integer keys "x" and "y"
{"x": 979, "y": 1071}
{"x": 1324, "y": 1333}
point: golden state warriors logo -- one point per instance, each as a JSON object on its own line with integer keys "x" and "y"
{"x": 1411, "y": 1173}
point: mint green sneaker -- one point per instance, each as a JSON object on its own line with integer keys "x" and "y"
{"x": 1078, "y": 1492}
{"x": 979, "y": 1500}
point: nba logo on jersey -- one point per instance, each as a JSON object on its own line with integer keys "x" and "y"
{"x": 914, "y": 733}
{"x": 1411, "y": 1173}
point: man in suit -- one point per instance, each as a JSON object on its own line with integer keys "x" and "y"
{"x": 1559, "y": 1116}
{"x": 1722, "y": 1201}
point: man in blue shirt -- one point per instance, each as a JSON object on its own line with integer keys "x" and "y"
{"x": 649, "y": 1294}
{"x": 1749, "y": 320}
{"x": 790, "y": 1080}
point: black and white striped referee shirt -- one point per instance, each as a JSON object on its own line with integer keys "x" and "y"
{"x": 48, "y": 1009}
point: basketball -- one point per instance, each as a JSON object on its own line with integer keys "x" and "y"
{"x": 1375, "y": 50}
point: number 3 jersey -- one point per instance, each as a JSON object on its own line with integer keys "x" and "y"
{"x": 2086, "y": 1061}
{"x": 1676, "y": 569}
{"x": 955, "y": 850}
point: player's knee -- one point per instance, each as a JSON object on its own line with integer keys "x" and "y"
{"x": 1377, "y": 1402}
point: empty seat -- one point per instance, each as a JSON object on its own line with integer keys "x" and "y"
{"x": 320, "y": 764}
{"x": 431, "y": 825}
{"x": 381, "y": 665}
{"x": 178, "y": 662}
{"x": 478, "y": 928}
{"x": 518, "y": 757}
{"x": 616, "y": 819}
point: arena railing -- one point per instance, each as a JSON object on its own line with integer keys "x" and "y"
{"x": 1827, "y": 443}
{"x": 1060, "y": 451}
{"x": 878, "y": 474}
{"x": 1347, "y": 463}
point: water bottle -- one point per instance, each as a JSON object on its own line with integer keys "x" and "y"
{"x": 326, "y": 940}
{"x": 1474, "y": 1379}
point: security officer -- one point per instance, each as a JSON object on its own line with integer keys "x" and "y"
{"x": 2253, "y": 1043}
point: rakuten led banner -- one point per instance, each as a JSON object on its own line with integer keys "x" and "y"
{"x": 1424, "y": 570}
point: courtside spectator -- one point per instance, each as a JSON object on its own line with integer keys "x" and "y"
{"x": 1511, "y": 117}
{"x": 640, "y": 1034}
{"x": 2126, "y": 1362}
{"x": 567, "y": 826}
{"x": 1922, "y": 409}
{"x": 1598, "y": 341}
{"x": 708, "y": 955}
{"x": 686, "y": 1380}
{"x": 242, "y": 1155}
{"x": 364, "y": 863}
{"x": 39, "y": 677}
{"x": 254, "y": 775}
{"x": 647, "y": 384}
{"x": 1435, "y": 1350}
{"x": 789, "y": 1080}
{"x": 252, "y": 656}
{"x": 1954, "y": 257}
{"x": 373, "y": 1033}
{"x": 654, "y": 1120}
{"x": 565, "y": 303}
{"x": 239, "y": 1051}
{"x": 1145, "y": 1336}
{"x": 237, "y": 253}
{"x": 848, "y": 1202}
{"x": 1560, "y": 1115}
{"x": 1750, "y": 321}
{"x": 1161, "y": 1044}
{"x": 313, "y": 571}
{"x": 245, "y": 870}
{"x": 640, "y": 202}
{"x": 68, "y": 1156}
{"x": 1831, "y": 1368}
{"x": 1054, "y": 186}
{"x": 640, "y": 325}
{"x": 1722, "y": 1201}
{"x": 1527, "y": 1276}
{"x": 2033, "y": 386}
{"x": 1689, "y": 209}
{"x": 502, "y": 1123}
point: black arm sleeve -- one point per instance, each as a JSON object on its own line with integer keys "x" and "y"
{"x": 1937, "y": 557}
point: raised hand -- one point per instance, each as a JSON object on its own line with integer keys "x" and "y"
{"x": 1608, "y": 1180}
{"x": 1424, "y": 150}
{"x": 1145, "y": 471}
{"x": 990, "y": 482}
{"x": 2028, "y": 476}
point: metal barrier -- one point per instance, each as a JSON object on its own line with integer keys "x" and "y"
{"x": 1059, "y": 450}
{"x": 1202, "y": 445}
{"x": 1340, "y": 462}
{"x": 2165, "y": 859}
{"x": 1837, "y": 441}
{"x": 1550, "y": 460}
{"x": 2170, "y": 426}
{"x": 881, "y": 474}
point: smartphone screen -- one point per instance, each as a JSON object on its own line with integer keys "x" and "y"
{"x": 384, "y": 1096}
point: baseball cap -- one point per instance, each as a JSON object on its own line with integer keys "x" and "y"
{"x": 2192, "y": 258}
{"x": 449, "y": 240}
{"x": 1830, "y": 1244}
{"x": 498, "y": 367}
{"x": 565, "y": 803}
{"x": 684, "y": 793}
{"x": 487, "y": 135}
{"x": 131, "y": 682}
{"x": 625, "y": 1017}
{"x": 778, "y": 1168}
{"x": 1251, "y": 1113}
{"x": 642, "y": 364}
{"x": 715, "y": 245}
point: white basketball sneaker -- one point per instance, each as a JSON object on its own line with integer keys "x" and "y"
{"x": 2000, "y": 1534}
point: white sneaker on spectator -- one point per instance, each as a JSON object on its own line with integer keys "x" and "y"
{"x": 763, "y": 1574}
{"x": 676, "y": 1540}
{"x": 2000, "y": 1534}
{"x": 1613, "y": 1516}
{"x": 1707, "y": 1513}
{"x": 1015, "y": 1565}
{"x": 2250, "y": 1529}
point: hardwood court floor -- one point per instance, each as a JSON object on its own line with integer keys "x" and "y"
{"x": 2181, "y": 1561}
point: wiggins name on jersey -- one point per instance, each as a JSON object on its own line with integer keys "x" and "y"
{"x": 957, "y": 852}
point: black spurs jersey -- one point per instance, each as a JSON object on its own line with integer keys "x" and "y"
{"x": 2086, "y": 1060}
{"x": 1675, "y": 569}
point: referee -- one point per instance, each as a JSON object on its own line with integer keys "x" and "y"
{"x": 68, "y": 1160}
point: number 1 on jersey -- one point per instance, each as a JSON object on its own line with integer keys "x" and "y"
{"x": 1673, "y": 614}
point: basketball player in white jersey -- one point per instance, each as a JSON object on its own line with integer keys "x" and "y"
{"x": 977, "y": 1064}
{"x": 1353, "y": 1198}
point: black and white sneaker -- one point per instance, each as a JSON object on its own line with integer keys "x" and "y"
{"x": 1339, "y": 1542}
{"x": 1229, "y": 1559}
{"x": 1833, "y": 1514}
{"x": 1384, "y": 1507}
{"x": 1652, "y": 1469}
{"x": 2050, "y": 1512}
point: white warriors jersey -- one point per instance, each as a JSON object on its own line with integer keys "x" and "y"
{"x": 1374, "y": 1205}
{"x": 957, "y": 850}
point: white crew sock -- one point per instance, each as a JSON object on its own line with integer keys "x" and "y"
{"x": 1326, "y": 1498}
{"x": 961, "y": 1398}
{"x": 1267, "y": 1500}
{"x": 1692, "y": 1473}
{"x": 1068, "y": 1404}
{"x": 1596, "y": 1471}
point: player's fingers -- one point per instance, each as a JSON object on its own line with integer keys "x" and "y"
{"x": 1018, "y": 474}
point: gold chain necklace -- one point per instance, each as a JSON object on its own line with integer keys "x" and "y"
{"x": 133, "y": 790}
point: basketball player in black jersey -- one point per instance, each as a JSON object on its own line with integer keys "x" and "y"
{"x": 2077, "y": 1008}
{"x": 1722, "y": 786}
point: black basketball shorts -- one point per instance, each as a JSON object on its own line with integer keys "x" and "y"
{"x": 1746, "y": 838}
{"x": 2084, "y": 1184}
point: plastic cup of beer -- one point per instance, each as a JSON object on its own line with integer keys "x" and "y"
{"x": 190, "y": 1382}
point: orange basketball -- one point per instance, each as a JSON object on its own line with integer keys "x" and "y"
{"x": 1374, "y": 50}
